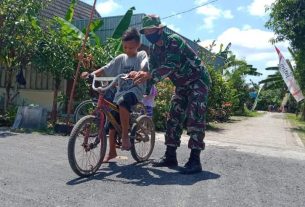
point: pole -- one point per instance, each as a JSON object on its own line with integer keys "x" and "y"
{"x": 71, "y": 100}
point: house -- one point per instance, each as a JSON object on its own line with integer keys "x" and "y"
{"x": 39, "y": 87}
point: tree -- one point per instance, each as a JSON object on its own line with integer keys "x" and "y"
{"x": 19, "y": 31}
{"x": 269, "y": 97}
{"x": 56, "y": 51}
{"x": 61, "y": 42}
{"x": 287, "y": 20}
{"x": 220, "y": 91}
{"x": 235, "y": 72}
{"x": 274, "y": 81}
{"x": 228, "y": 81}
{"x": 55, "y": 54}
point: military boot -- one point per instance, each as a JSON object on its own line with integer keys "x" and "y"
{"x": 193, "y": 165}
{"x": 169, "y": 159}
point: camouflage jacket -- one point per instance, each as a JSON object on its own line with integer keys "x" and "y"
{"x": 176, "y": 60}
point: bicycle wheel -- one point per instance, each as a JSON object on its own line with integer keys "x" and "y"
{"x": 83, "y": 109}
{"x": 86, "y": 152}
{"x": 142, "y": 138}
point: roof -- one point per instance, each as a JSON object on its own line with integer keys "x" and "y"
{"x": 60, "y": 7}
{"x": 110, "y": 23}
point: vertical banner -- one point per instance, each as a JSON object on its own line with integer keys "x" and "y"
{"x": 288, "y": 77}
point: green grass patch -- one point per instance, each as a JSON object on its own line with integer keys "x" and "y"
{"x": 254, "y": 114}
{"x": 298, "y": 126}
{"x": 249, "y": 113}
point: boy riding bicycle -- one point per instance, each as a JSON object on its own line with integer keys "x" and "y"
{"x": 127, "y": 94}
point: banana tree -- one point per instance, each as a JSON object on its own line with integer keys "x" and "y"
{"x": 273, "y": 81}
{"x": 235, "y": 72}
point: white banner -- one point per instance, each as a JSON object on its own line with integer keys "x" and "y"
{"x": 288, "y": 77}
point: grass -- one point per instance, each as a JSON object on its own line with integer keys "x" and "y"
{"x": 254, "y": 113}
{"x": 248, "y": 113}
{"x": 298, "y": 126}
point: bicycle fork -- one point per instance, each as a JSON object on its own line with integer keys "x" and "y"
{"x": 88, "y": 146}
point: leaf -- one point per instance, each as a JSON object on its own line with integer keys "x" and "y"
{"x": 124, "y": 24}
{"x": 272, "y": 68}
{"x": 96, "y": 38}
{"x": 228, "y": 46}
{"x": 269, "y": 80}
{"x": 119, "y": 47}
{"x": 34, "y": 23}
{"x": 220, "y": 48}
{"x": 70, "y": 11}
{"x": 69, "y": 29}
{"x": 94, "y": 26}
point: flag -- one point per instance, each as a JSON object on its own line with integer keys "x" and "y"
{"x": 288, "y": 77}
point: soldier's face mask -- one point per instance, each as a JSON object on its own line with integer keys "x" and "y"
{"x": 153, "y": 37}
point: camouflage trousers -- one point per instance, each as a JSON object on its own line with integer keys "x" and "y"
{"x": 188, "y": 105}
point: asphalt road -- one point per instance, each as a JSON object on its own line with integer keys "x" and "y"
{"x": 253, "y": 162}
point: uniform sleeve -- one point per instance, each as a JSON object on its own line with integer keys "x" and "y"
{"x": 172, "y": 59}
{"x": 113, "y": 67}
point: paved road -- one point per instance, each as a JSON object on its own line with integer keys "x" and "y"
{"x": 254, "y": 162}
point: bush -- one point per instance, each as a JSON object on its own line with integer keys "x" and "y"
{"x": 8, "y": 118}
{"x": 163, "y": 102}
{"x": 219, "y": 94}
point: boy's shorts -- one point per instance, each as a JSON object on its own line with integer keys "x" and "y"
{"x": 129, "y": 100}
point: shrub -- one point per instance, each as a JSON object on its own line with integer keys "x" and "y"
{"x": 163, "y": 102}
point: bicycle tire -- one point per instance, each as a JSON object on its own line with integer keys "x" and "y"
{"x": 83, "y": 109}
{"x": 98, "y": 142}
{"x": 142, "y": 133}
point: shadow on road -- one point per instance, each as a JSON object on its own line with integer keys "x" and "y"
{"x": 218, "y": 126}
{"x": 297, "y": 129}
{"x": 214, "y": 128}
{"x": 6, "y": 134}
{"x": 143, "y": 175}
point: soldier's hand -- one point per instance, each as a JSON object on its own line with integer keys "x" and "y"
{"x": 132, "y": 74}
{"x": 141, "y": 77}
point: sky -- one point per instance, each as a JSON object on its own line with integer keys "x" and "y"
{"x": 240, "y": 22}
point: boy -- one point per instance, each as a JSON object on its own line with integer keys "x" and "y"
{"x": 127, "y": 94}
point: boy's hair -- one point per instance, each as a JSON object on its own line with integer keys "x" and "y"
{"x": 131, "y": 34}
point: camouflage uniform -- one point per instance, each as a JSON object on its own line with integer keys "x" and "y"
{"x": 176, "y": 60}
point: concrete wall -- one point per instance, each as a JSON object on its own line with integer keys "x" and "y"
{"x": 42, "y": 98}
{"x": 28, "y": 96}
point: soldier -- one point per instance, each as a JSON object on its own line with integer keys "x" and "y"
{"x": 172, "y": 57}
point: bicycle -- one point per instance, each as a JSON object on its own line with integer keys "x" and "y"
{"x": 89, "y": 135}
{"x": 84, "y": 108}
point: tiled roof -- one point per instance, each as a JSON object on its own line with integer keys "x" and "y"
{"x": 60, "y": 7}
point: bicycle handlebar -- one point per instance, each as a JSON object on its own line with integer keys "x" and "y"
{"x": 105, "y": 87}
